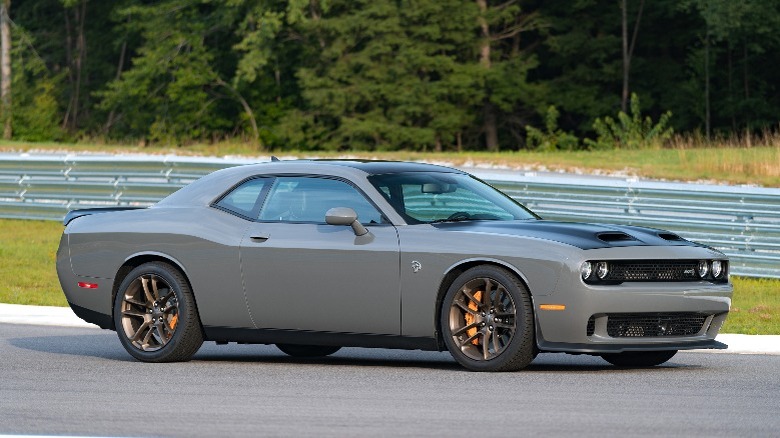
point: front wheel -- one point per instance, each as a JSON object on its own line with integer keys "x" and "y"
{"x": 638, "y": 358}
{"x": 487, "y": 322}
{"x": 155, "y": 314}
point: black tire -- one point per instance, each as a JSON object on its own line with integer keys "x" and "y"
{"x": 639, "y": 358}
{"x": 155, "y": 314}
{"x": 502, "y": 317}
{"x": 307, "y": 350}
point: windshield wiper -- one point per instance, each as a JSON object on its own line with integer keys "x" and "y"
{"x": 457, "y": 219}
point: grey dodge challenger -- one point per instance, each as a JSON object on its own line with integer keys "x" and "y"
{"x": 316, "y": 255}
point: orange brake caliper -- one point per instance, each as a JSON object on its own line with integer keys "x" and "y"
{"x": 174, "y": 321}
{"x": 470, "y": 318}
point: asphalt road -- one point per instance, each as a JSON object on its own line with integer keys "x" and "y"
{"x": 56, "y": 380}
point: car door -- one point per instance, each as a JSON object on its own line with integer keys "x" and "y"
{"x": 302, "y": 274}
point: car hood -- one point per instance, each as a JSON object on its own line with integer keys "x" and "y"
{"x": 580, "y": 235}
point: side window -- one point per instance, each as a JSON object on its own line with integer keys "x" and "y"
{"x": 302, "y": 199}
{"x": 245, "y": 199}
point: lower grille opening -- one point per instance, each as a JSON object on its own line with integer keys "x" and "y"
{"x": 628, "y": 325}
{"x": 591, "y": 328}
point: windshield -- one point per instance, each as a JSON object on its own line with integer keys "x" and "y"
{"x": 430, "y": 197}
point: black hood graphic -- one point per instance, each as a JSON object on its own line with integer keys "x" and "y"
{"x": 581, "y": 235}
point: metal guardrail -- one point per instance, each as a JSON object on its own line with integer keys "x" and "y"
{"x": 743, "y": 222}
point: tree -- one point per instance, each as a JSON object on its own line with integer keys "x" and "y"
{"x": 76, "y": 49}
{"x": 740, "y": 36}
{"x": 581, "y": 66}
{"x": 5, "y": 68}
{"x": 179, "y": 88}
{"x": 272, "y": 46}
{"x": 498, "y": 23}
{"x": 628, "y": 49}
{"x": 387, "y": 76}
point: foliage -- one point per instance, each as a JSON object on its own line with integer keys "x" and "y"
{"x": 385, "y": 74}
{"x": 36, "y": 114}
{"x": 388, "y": 77}
{"x": 172, "y": 93}
{"x": 631, "y": 131}
{"x": 552, "y": 138}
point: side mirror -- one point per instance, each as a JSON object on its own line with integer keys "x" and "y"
{"x": 345, "y": 216}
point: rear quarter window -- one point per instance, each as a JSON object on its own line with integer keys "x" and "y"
{"x": 245, "y": 200}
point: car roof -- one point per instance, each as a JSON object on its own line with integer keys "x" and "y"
{"x": 375, "y": 167}
{"x": 207, "y": 188}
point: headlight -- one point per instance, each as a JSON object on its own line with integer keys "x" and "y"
{"x": 703, "y": 268}
{"x": 717, "y": 268}
{"x": 586, "y": 270}
{"x": 602, "y": 269}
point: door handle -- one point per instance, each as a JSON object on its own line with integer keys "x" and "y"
{"x": 259, "y": 238}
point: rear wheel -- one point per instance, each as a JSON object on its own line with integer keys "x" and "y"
{"x": 155, "y": 314}
{"x": 639, "y": 358}
{"x": 487, "y": 321}
{"x": 307, "y": 350}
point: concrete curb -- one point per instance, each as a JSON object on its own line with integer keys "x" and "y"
{"x": 64, "y": 317}
{"x": 41, "y": 315}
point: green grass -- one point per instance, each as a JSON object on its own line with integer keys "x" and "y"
{"x": 27, "y": 276}
{"x": 755, "y": 308}
{"x": 28, "y": 251}
{"x": 685, "y": 161}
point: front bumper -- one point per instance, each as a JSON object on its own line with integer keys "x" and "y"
{"x": 582, "y": 326}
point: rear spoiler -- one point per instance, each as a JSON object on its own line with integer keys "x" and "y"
{"x": 73, "y": 214}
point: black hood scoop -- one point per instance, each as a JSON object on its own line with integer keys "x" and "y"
{"x": 671, "y": 237}
{"x": 614, "y": 236}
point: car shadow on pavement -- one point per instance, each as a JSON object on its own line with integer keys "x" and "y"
{"x": 565, "y": 368}
{"x": 100, "y": 346}
{"x": 264, "y": 354}
{"x": 105, "y": 346}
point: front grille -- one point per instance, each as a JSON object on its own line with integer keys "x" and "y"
{"x": 591, "y": 328}
{"x": 628, "y": 325}
{"x": 653, "y": 270}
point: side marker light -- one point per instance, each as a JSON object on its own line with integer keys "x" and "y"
{"x": 552, "y": 307}
{"x": 85, "y": 285}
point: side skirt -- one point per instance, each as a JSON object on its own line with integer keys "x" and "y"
{"x": 300, "y": 337}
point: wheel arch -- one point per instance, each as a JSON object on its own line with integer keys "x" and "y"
{"x": 137, "y": 260}
{"x": 462, "y": 266}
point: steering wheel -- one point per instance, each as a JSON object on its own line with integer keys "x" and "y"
{"x": 458, "y": 215}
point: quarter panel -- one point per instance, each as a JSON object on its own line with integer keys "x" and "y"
{"x": 203, "y": 240}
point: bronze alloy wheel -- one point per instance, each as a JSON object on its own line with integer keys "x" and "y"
{"x": 487, "y": 321}
{"x": 482, "y": 318}
{"x": 155, "y": 314}
{"x": 150, "y": 312}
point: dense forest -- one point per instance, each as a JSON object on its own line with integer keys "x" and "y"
{"x": 388, "y": 74}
